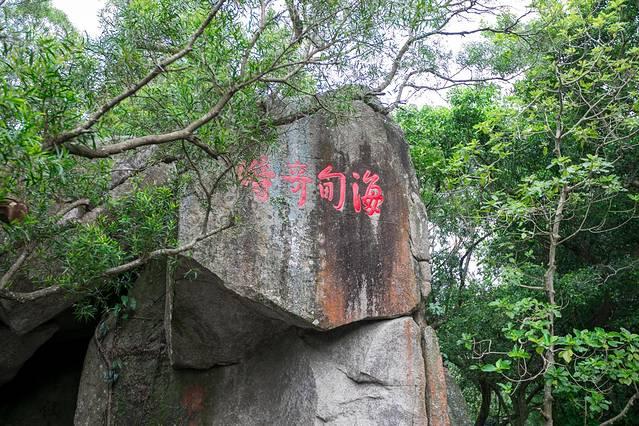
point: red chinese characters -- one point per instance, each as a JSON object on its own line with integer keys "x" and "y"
{"x": 297, "y": 178}
{"x": 326, "y": 188}
{"x": 258, "y": 174}
{"x": 373, "y": 198}
{"x": 332, "y": 185}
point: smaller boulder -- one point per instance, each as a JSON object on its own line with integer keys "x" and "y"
{"x": 24, "y": 316}
{"x": 457, "y": 407}
{"x": 17, "y": 349}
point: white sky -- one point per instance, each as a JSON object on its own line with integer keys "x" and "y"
{"x": 83, "y": 14}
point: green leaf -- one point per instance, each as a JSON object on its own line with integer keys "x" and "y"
{"x": 566, "y": 355}
{"x": 488, "y": 368}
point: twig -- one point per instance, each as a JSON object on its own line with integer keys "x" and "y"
{"x": 6, "y": 278}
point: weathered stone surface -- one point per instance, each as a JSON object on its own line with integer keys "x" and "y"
{"x": 343, "y": 377}
{"x": 457, "y": 406}
{"x": 369, "y": 373}
{"x": 16, "y": 349}
{"x": 263, "y": 323}
{"x": 436, "y": 391}
{"x": 322, "y": 267}
{"x": 420, "y": 241}
{"x": 380, "y": 386}
{"x": 207, "y": 324}
{"x": 137, "y": 344}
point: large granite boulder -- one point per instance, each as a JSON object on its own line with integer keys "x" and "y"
{"x": 302, "y": 313}
{"x": 305, "y": 259}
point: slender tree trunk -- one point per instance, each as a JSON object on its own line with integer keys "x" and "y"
{"x": 484, "y": 409}
{"x": 520, "y": 405}
{"x": 549, "y": 284}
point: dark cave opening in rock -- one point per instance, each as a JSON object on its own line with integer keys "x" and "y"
{"x": 44, "y": 391}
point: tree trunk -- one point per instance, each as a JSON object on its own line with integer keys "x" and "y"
{"x": 549, "y": 284}
{"x": 484, "y": 410}
{"x": 520, "y": 405}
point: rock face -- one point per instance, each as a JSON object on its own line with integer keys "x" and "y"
{"x": 436, "y": 392}
{"x": 210, "y": 325}
{"x": 300, "y": 314}
{"x": 307, "y": 252}
{"x": 457, "y": 406}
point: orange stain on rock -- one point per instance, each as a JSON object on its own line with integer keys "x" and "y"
{"x": 193, "y": 402}
{"x": 331, "y": 297}
{"x": 390, "y": 287}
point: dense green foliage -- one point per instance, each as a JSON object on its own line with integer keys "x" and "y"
{"x": 533, "y": 195}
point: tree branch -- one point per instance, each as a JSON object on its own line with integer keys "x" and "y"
{"x": 159, "y": 69}
{"x": 158, "y": 139}
{"x": 6, "y": 278}
{"x": 623, "y": 412}
{"x": 30, "y": 296}
{"x": 164, "y": 252}
{"x": 23, "y": 297}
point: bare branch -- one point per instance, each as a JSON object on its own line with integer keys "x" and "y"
{"x": 30, "y": 296}
{"x": 623, "y": 412}
{"x": 165, "y": 252}
{"x": 295, "y": 19}
{"x": 438, "y": 31}
{"x": 6, "y": 278}
{"x": 159, "y": 139}
{"x": 531, "y": 287}
{"x": 68, "y": 207}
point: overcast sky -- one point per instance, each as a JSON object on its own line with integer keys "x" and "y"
{"x": 83, "y": 14}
